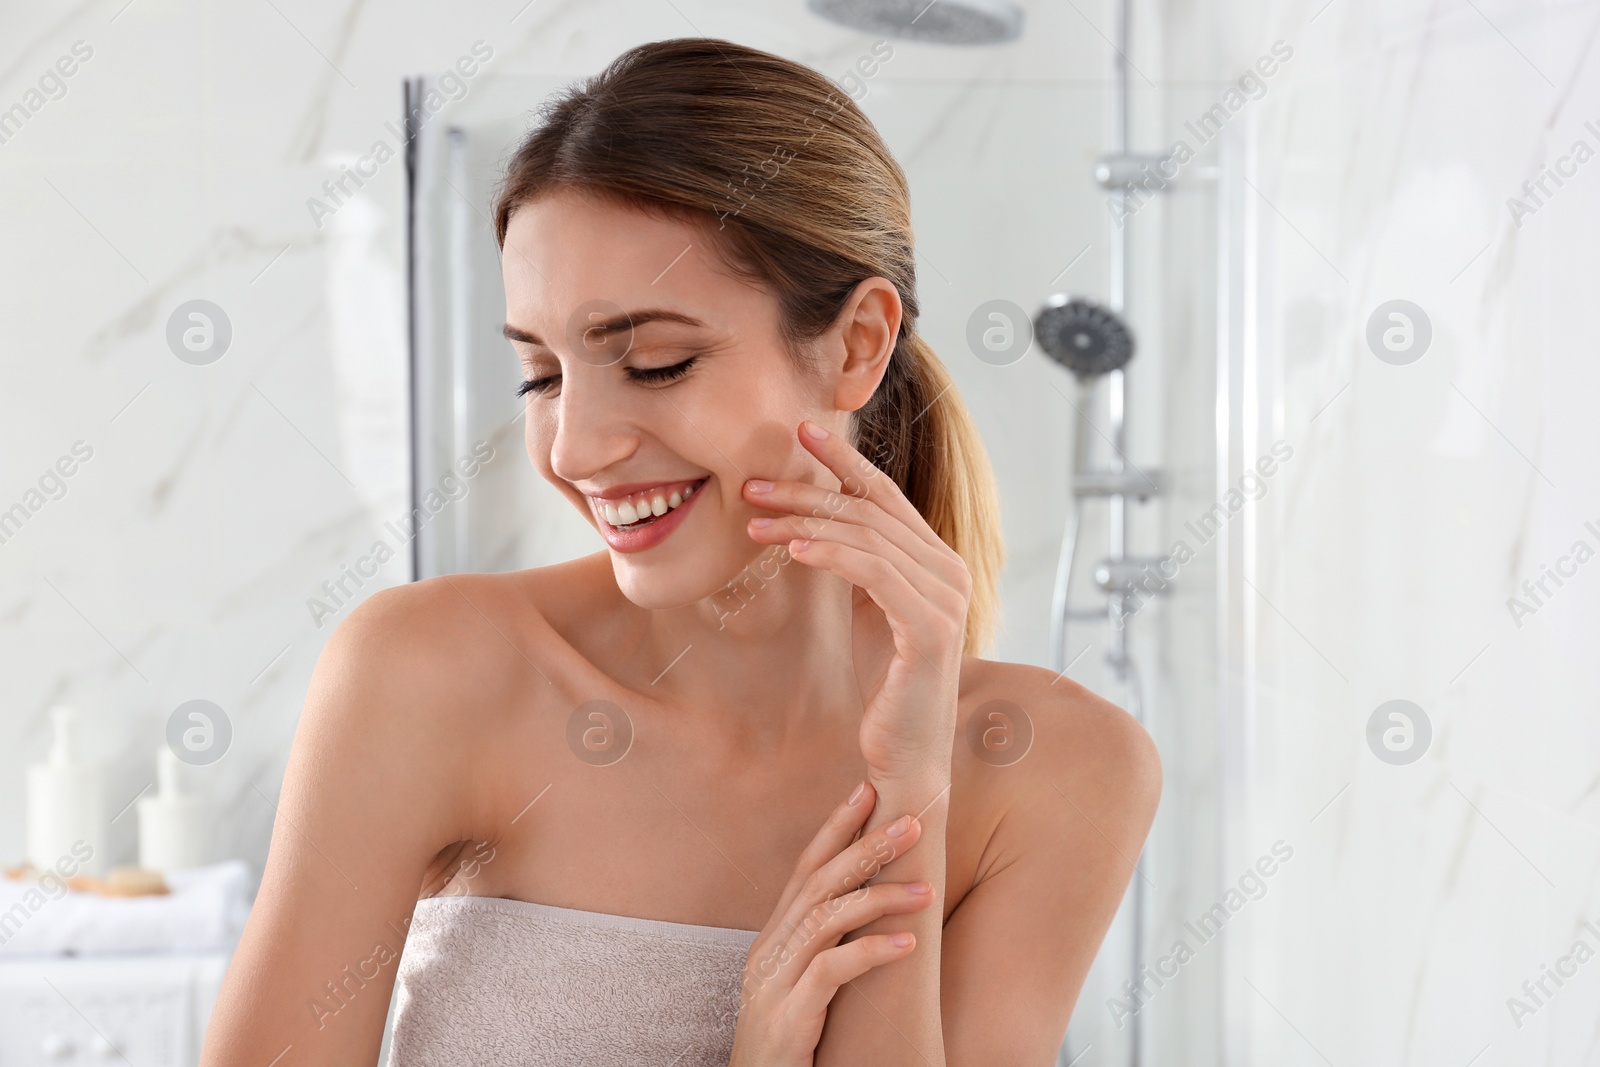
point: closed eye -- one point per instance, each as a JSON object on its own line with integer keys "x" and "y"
{"x": 659, "y": 375}
{"x": 642, "y": 375}
{"x": 538, "y": 386}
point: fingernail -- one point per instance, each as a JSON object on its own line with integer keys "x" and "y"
{"x": 797, "y": 547}
{"x": 860, "y": 789}
{"x": 899, "y": 826}
{"x": 920, "y": 888}
{"x": 813, "y": 431}
{"x": 758, "y": 486}
{"x": 761, "y": 524}
{"x": 900, "y": 940}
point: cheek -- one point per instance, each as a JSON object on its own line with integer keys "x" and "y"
{"x": 773, "y": 447}
{"x": 752, "y": 421}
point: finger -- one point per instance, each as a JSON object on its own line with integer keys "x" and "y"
{"x": 829, "y": 920}
{"x": 845, "y": 963}
{"x": 923, "y": 579}
{"x": 858, "y": 864}
{"x": 801, "y": 498}
{"x": 832, "y": 838}
{"x": 883, "y": 582}
{"x": 821, "y": 928}
{"x": 861, "y": 478}
{"x": 826, "y": 923}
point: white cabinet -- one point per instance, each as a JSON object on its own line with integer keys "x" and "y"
{"x": 146, "y": 1009}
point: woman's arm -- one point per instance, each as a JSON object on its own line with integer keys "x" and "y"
{"x": 366, "y": 804}
{"x": 1075, "y": 813}
{"x": 797, "y": 963}
{"x": 890, "y": 1015}
{"x": 870, "y": 535}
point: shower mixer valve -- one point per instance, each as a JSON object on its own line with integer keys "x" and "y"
{"x": 1139, "y": 484}
{"x": 1152, "y": 574}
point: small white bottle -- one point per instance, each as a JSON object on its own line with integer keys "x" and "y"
{"x": 66, "y": 804}
{"x": 172, "y": 823}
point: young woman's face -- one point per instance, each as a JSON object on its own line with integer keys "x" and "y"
{"x": 652, "y": 429}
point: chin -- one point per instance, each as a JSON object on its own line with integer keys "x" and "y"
{"x": 676, "y": 576}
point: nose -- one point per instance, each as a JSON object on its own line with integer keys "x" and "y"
{"x": 592, "y": 431}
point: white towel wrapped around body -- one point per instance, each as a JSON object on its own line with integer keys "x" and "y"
{"x": 487, "y": 980}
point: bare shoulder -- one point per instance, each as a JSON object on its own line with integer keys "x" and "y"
{"x": 448, "y": 609}
{"x": 456, "y": 635}
{"x": 394, "y": 762}
{"x": 1046, "y": 749}
{"x": 428, "y": 641}
{"x": 424, "y": 678}
{"x": 1072, "y": 728}
{"x": 400, "y": 674}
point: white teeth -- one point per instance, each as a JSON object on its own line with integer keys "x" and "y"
{"x": 628, "y": 512}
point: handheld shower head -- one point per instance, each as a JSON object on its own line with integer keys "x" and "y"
{"x": 1082, "y": 336}
{"x": 941, "y": 22}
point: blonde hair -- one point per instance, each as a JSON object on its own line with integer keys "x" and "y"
{"x": 808, "y": 201}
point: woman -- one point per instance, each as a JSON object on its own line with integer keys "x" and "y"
{"x": 628, "y": 789}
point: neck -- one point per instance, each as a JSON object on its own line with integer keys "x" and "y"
{"x": 773, "y": 652}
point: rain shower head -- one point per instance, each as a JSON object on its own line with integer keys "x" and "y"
{"x": 1082, "y": 336}
{"x": 931, "y": 21}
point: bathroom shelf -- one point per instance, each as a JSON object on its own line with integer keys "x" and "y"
{"x": 145, "y": 1008}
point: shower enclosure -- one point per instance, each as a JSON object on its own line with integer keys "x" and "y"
{"x": 1006, "y": 208}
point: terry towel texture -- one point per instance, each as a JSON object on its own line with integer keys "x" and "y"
{"x": 485, "y": 980}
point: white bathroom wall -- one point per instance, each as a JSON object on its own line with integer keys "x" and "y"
{"x": 228, "y": 514}
{"x": 179, "y": 560}
{"x": 1378, "y": 561}
{"x": 187, "y": 159}
{"x": 180, "y": 163}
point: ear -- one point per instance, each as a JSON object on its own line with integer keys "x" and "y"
{"x": 868, "y": 325}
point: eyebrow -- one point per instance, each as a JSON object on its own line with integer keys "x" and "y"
{"x": 616, "y": 324}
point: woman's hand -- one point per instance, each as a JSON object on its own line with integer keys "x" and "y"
{"x": 873, "y": 537}
{"x": 796, "y": 963}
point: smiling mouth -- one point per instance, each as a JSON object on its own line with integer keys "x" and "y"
{"x": 638, "y": 510}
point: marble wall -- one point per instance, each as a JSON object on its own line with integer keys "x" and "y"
{"x": 186, "y": 155}
{"x": 1441, "y": 859}
{"x": 218, "y": 531}
{"x": 224, "y": 520}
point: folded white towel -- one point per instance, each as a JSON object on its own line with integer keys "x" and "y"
{"x": 206, "y": 909}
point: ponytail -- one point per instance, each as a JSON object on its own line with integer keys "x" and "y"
{"x": 917, "y": 430}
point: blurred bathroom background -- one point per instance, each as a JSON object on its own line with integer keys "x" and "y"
{"x": 1363, "y": 359}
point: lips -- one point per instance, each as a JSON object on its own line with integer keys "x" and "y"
{"x": 633, "y": 520}
{"x": 645, "y": 505}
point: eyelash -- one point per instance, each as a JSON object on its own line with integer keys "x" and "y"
{"x": 647, "y": 376}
